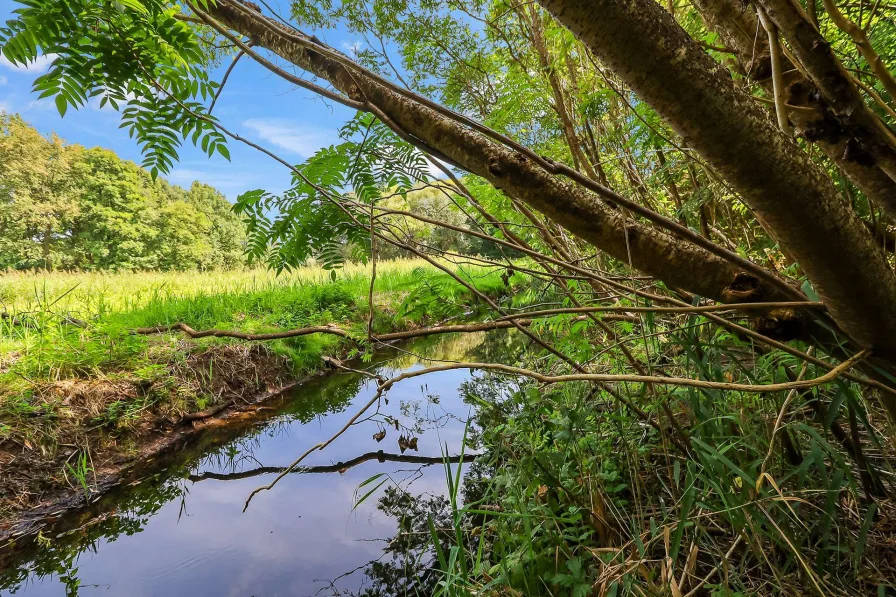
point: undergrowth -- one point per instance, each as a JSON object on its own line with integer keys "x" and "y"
{"x": 574, "y": 495}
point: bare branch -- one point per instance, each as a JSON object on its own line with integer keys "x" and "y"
{"x": 683, "y": 309}
{"x": 161, "y": 329}
{"x": 779, "y": 89}
{"x": 226, "y": 76}
{"x": 339, "y": 467}
{"x": 831, "y": 375}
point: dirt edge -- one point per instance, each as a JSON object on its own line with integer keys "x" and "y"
{"x": 150, "y": 455}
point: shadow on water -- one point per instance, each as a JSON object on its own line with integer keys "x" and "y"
{"x": 182, "y": 531}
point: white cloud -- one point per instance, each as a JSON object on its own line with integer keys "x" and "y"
{"x": 42, "y": 105}
{"x": 39, "y": 64}
{"x": 296, "y": 138}
{"x": 434, "y": 170}
{"x": 185, "y": 176}
{"x": 352, "y": 48}
{"x": 3, "y": 80}
{"x": 227, "y": 181}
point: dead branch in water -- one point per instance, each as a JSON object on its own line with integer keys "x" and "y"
{"x": 339, "y": 467}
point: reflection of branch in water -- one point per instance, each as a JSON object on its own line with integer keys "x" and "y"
{"x": 339, "y": 467}
{"x": 331, "y": 584}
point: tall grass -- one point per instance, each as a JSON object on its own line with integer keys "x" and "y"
{"x": 64, "y": 327}
{"x": 88, "y": 294}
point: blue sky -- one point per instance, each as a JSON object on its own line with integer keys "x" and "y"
{"x": 255, "y": 103}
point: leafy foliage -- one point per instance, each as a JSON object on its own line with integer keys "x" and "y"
{"x": 319, "y": 216}
{"x": 134, "y": 55}
{"x": 64, "y": 206}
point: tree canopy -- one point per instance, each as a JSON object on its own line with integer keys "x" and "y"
{"x": 67, "y": 207}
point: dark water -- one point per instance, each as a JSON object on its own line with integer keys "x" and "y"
{"x": 184, "y": 533}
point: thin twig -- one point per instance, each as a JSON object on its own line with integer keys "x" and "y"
{"x": 226, "y": 76}
{"x": 778, "y": 87}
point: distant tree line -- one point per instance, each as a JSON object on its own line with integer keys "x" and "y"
{"x": 435, "y": 204}
{"x": 68, "y": 207}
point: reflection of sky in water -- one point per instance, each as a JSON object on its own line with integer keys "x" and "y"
{"x": 293, "y": 539}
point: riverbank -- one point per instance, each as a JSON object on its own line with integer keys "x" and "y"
{"x": 177, "y": 526}
{"x": 82, "y": 397}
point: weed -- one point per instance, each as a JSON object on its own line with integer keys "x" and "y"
{"x": 80, "y": 471}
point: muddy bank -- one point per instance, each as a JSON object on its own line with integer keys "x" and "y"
{"x": 39, "y": 482}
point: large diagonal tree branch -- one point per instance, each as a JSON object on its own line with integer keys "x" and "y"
{"x": 646, "y": 247}
{"x": 792, "y": 196}
{"x": 831, "y": 78}
{"x": 838, "y": 122}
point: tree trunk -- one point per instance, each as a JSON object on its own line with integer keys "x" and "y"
{"x": 791, "y": 196}
{"x": 46, "y": 243}
{"x": 844, "y": 129}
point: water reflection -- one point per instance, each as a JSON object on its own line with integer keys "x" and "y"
{"x": 183, "y": 532}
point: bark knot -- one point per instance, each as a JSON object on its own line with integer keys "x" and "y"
{"x": 781, "y": 324}
{"x": 745, "y": 288}
{"x": 494, "y": 166}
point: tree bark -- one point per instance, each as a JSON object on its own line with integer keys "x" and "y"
{"x": 793, "y": 197}
{"x": 646, "y": 247}
{"x": 839, "y": 124}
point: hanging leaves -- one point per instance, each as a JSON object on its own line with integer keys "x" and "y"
{"x": 319, "y": 217}
{"x": 133, "y": 53}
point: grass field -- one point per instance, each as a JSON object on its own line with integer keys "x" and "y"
{"x": 89, "y": 294}
{"x": 68, "y": 333}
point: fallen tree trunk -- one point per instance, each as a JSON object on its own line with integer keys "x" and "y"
{"x": 643, "y": 246}
{"x": 790, "y": 195}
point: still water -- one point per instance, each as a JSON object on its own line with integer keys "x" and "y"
{"x": 184, "y": 532}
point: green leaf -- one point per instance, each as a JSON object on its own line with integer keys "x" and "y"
{"x": 61, "y": 104}
{"x": 863, "y": 533}
{"x": 810, "y": 292}
{"x": 368, "y": 481}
